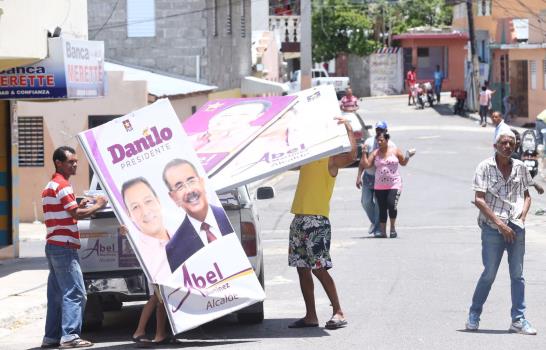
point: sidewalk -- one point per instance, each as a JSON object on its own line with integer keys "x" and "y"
{"x": 23, "y": 294}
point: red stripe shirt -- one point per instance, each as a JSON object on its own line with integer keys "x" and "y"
{"x": 57, "y": 200}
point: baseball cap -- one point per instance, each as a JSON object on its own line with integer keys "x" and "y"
{"x": 381, "y": 125}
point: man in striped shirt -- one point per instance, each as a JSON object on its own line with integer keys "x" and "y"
{"x": 65, "y": 288}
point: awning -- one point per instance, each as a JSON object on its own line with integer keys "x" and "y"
{"x": 257, "y": 86}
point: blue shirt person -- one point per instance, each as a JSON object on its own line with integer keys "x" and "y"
{"x": 438, "y": 80}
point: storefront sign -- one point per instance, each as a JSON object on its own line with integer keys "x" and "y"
{"x": 73, "y": 69}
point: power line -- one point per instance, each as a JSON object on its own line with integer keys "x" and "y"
{"x": 107, "y": 20}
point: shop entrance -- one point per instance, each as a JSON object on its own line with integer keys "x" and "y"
{"x": 519, "y": 88}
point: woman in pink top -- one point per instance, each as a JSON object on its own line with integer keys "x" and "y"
{"x": 388, "y": 183}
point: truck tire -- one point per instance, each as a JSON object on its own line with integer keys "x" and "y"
{"x": 257, "y": 316}
{"x": 93, "y": 315}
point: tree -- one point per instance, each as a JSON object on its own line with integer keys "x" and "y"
{"x": 339, "y": 26}
{"x": 408, "y": 14}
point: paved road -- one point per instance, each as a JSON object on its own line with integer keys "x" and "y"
{"x": 407, "y": 293}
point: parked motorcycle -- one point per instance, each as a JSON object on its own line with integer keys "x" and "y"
{"x": 529, "y": 151}
{"x": 429, "y": 91}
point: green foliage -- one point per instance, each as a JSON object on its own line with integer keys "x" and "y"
{"x": 340, "y": 27}
{"x": 416, "y": 13}
{"x": 344, "y": 26}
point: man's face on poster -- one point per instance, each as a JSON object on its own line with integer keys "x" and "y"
{"x": 187, "y": 190}
{"x": 144, "y": 209}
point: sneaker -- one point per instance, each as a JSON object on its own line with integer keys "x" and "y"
{"x": 393, "y": 234}
{"x": 473, "y": 322}
{"x": 371, "y": 229}
{"x": 522, "y": 326}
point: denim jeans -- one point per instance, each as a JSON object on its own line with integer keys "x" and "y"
{"x": 370, "y": 206}
{"x": 65, "y": 295}
{"x": 493, "y": 246}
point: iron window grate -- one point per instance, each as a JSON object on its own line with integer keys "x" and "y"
{"x": 31, "y": 141}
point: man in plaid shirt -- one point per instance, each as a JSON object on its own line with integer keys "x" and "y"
{"x": 501, "y": 193}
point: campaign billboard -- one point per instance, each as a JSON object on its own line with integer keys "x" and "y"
{"x": 176, "y": 225}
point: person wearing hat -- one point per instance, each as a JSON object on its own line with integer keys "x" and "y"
{"x": 366, "y": 178}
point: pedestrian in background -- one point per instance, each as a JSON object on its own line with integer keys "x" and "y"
{"x": 438, "y": 80}
{"x": 411, "y": 80}
{"x": 501, "y": 186}
{"x": 310, "y": 233}
{"x": 66, "y": 294}
{"x": 388, "y": 182}
{"x": 507, "y": 102}
{"x": 365, "y": 180}
{"x": 349, "y": 102}
{"x": 485, "y": 101}
{"x": 499, "y": 124}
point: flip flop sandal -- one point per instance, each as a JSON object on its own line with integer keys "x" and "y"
{"x": 141, "y": 338}
{"x": 76, "y": 343}
{"x": 166, "y": 341}
{"x": 302, "y": 324}
{"x": 335, "y": 324}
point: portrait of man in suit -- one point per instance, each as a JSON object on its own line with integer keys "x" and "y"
{"x": 204, "y": 223}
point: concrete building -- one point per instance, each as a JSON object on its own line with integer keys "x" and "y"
{"x": 425, "y": 48}
{"x": 207, "y": 41}
{"x": 24, "y": 27}
{"x": 511, "y": 41}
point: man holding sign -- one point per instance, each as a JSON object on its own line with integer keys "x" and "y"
{"x": 203, "y": 224}
{"x": 310, "y": 233}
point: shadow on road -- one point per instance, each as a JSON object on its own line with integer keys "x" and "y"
{"x": 7, "y": 267}
{"x": 485, "y": 331}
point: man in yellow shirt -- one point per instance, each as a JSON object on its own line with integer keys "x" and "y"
{"x": 310, "y": 233}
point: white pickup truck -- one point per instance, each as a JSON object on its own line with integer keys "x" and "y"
{"x": 319, "y": 77}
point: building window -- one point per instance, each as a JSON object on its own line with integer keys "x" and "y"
{"x": 243, "y": 19}
{"x": 229, "y": 18}
{"x": 140, "y": 18}
{"x": 215, "y": 18}
{"x": 544, "y": 74}
{"x": 484, "y": 8}
{"x": 31, "y": 141}
{"x": 193, "y": 109}
{"x": 533, "y": 72}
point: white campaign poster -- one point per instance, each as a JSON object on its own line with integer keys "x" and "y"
{"x": 177, "y": 226}
{"x": 306, "y": 132}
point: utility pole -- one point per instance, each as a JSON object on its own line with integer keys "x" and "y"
{"x": 475, "y": 71}
{"x": 305, "y": 45}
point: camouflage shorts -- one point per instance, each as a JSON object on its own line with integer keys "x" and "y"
{"x": 309, "y": 242}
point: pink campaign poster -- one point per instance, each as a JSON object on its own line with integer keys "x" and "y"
{"x": 222, "y": 128}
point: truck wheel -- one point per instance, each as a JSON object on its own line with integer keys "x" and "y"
{"x": 93, "y": 315}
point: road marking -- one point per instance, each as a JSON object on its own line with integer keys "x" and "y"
{"x": 428, "y": 137}
{"x": 278, "y": 280}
